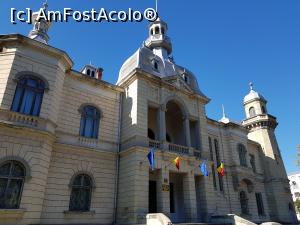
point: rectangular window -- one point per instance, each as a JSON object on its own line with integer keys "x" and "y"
{"x": 210, "y": 149}
{"x": 214, "y": 176}
{"x": 221, "y": 182}
{"x": 252, "y": 162}
{"x": 217, "y": 151}
{"x": 260, "y": 204}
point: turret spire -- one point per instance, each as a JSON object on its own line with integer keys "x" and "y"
{"x": 224, "y": 119}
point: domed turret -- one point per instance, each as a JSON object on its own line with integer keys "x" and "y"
{"x": 158, "y": 40}
{"x": 254, "y": 103}
{"x": 253, "y": 95}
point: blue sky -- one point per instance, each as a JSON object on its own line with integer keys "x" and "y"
{"x": 226, "y": 44}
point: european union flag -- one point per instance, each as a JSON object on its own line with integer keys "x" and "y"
{"x": 203, "y": 169}
{"x": 150, "y": 157}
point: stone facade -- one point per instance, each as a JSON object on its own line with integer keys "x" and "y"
{"x": 144, "y": 110}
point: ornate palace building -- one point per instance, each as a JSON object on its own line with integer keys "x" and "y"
{"x": 73, "y": 148}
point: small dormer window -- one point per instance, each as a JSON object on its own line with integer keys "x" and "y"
{"x": 185, "y": 78}
{"x": 154, "y": 63}
{"x": 88, "y": 72}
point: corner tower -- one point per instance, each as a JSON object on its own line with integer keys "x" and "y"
{"x": 261, "y": 127}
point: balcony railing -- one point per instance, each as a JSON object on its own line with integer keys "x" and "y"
{"x": 88, "y": 141}
{"x": 23, "y": 119}
{"x": 178, "y": 149}
{"x": 154, "y": 144}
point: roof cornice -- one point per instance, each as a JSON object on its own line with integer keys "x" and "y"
{"x": 18, "y": 38}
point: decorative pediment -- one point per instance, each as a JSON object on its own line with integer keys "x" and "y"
{"x": 178, "y": 82}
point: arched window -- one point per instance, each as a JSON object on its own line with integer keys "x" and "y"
{"x": 151, "y": 134}
{"x": 242, "y": 155}
{"x": 93, "y": 74}
{"x": 156, "y": 30}
{"x": 252, "y": 112}
{"x": 152, "y": 31}
{"x": 162, "y": 31}
{"x": 88, "y": 72}
{"x": 81, "y": 193}
{"x": 244, "y": 203}
{"x": 12, "y": 175}
{"x": 28, "y": 96}
{"x": 89, "y": 123}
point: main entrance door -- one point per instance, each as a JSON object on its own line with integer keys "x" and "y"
{"x": 176, "y": 198}
{"x": 152, "y": 197}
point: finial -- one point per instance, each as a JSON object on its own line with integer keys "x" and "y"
{"x": 45, "y": 5}
{"x": 223, "y": 109}
{"x": 251, "y": 86}
{"x": 224, "y": 119}
{"x": 156, "y": 5}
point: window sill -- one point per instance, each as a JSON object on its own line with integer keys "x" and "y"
{"x": 67, "y": 212}
{"x": 12, "y": 213}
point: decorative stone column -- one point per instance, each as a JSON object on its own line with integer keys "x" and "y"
{"x": 189, "y": 193}
{"x": 186, "y": 125}
{"x": 163, "y": 192}
{"x": 162, "y": 124}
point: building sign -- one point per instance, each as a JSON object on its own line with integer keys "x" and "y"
{"x": 165, "y": 187}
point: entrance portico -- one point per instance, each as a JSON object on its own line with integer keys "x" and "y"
{"x": 174, "y": 194}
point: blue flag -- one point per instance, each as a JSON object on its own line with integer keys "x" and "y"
{"x": 203, "y": 169}
{"x": 150, "y": 157}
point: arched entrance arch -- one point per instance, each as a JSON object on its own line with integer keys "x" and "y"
{"x": 175, "y": 123}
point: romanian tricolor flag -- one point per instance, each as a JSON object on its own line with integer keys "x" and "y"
{"x": 221, "y": 169}
{"x": 176, "y": 162}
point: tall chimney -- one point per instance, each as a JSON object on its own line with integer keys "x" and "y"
{"x": 99, "y": 73}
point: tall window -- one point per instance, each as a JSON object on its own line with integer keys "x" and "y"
{"x": 252, "y": 162}
{"x": 80, "y": 199}
{"x": 244, "y": 203}
{"x": 28, "y": 96}
{"x": 12, "y": 175}
{"x": 221, "y": 186}
{"x": 260, "y": 204}
{"x": 214, "y": 176}
{"x": 210, "y": 149}
{"x": 89, "y": 124}
{"x": 252, "y": 112}
{"x": 242, "y": 155}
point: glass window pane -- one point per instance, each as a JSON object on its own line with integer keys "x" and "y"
{"x": 31, "y": 83}
{"x": 89, "y": 127}
{"x": 4, "y": 170}
{"x": 3, "y": 183}
{"x": 77, "y": 180}
{"x": 12, "y": 194}
{"x": 86, "y": 181}
{"x": 37, "y": 104}
{"x": 17, "y": 99}
{"x": 27, "y": 101}
{"x": 18, "y": 171}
